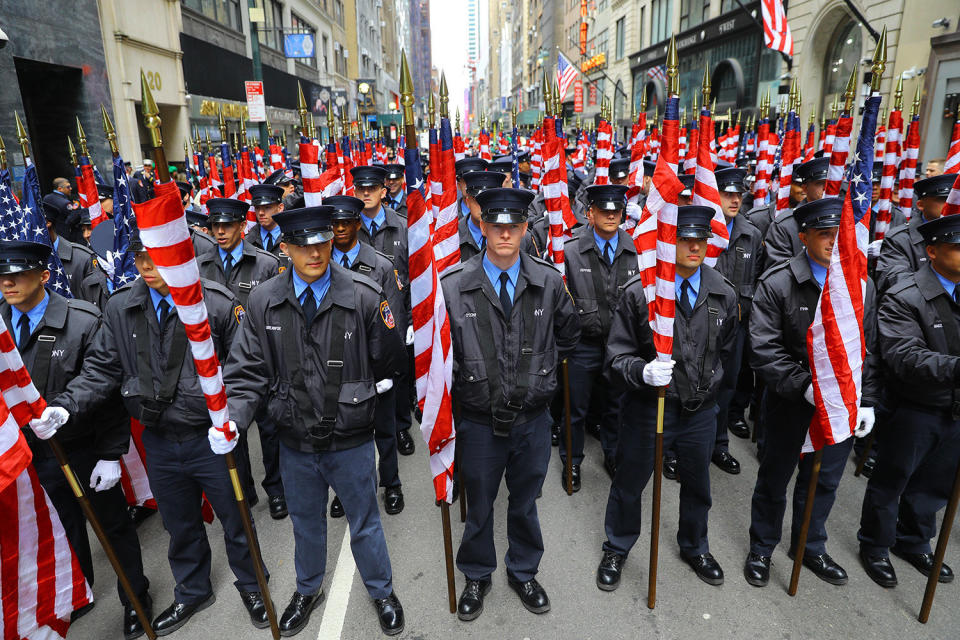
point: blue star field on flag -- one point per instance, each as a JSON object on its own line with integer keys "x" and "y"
{"x": 860, "y": 172}
{"x": 124, "y": 269}
{"x": 515, "y": 168}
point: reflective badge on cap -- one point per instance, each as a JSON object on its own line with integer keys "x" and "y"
{"x": 239, "y": 313}
{"x": 387, "y": 315}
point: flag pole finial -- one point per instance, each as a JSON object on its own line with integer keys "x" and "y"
{"x": 546, "y": 94}
{"x": 916, "y": 102}
{"x": 3, "y": 154}
{"x": 22, "y": 137}
{"x": 151, "y": 117}
{"x": 458, "y": 120}
{"x": 879, "y": 62}
{"x": 302, "y": 111}
{"x": 72, "y": 151}
{"x": 693, "y": 106}
{"x": 406, "y": 94}
{"x": 513, "y": 116}
{"x": 643, "y": 102}
{"x": 705, "y": 90}
{"x": 82, "y": 138}
{"x": 850, "y": 93}
{"x": 813, "y": 116}
{"x": 431, "y": 111}
{"x": 898, "y": 94}
{"x": 331, "y": 121}
{"x": 444, "y": 97}
{"x": 109, "y": 131}
{"x": 222, "y": 125}
{"x": 673, "y": 68}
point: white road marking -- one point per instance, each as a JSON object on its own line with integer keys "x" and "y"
{"x": 338, "y": 597}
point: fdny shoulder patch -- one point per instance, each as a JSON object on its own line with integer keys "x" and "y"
{"x": 387, "y": 315}
{"x": 239, "y": 313}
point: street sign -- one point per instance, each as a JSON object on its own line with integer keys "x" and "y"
{"x": 256, "y": 106}
{"x": 578, "y": 95}
{"x": 298, "y": 45}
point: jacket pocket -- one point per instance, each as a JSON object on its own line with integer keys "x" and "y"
{"x": 589, "y": 311}
{"x": 130, "y": 393}
{"x": 473, "y": 389}
{"x": 356, "y": 405}
{"x": 542, "y": 382}
{"x": 281, "y": 405}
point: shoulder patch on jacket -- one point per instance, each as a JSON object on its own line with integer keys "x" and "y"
{"x": 387, "y": 315}
{"x": 239, "y": 313}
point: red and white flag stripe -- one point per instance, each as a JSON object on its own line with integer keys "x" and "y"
{"x": 890, "y": 160}
{"x": 952, "y": 165}
{"x": 953, "y": 199}
{"x": 705, "y": 192}
{"x": 838, "y": 156}
{"x": 604, "y": 152}
{"x": 908, "y": 167}
{"x": 776, "y": 31}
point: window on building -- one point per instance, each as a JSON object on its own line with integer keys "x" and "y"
{"x": 299, "y": 25}
{"x": 602, "y": 42}
{"x": 844, "y": 52}
{"x": 338, "y": 11}
{"x": 270, "y": 33}
{"x": 602, "y": 5}
{"x": 693, "y": 12}
{"x": 339, "y": 59}
{"x": 621, "y": 36}
{"x": 661, "y": 20}
{"x": 326, "y": 47}
{"x": 643, "y": 19}
{"x": 226, "y": 12}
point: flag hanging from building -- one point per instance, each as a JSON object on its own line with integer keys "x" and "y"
{"x": 776, "y": 31}
{"x": 566, "y": 74}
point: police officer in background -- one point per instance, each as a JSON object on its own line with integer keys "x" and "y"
{"x": 142, "y": 350}
{"x": 599, "y": 262}
{"x": 240, "y": 267}
{"x": 350, "y": 253}
{"x": 315, "y": 344}
{"x": 511, "y": 323}
{"x": 54, "y": 335}
{"x": 783, "y": 310}
{"x": 903, "y": 250}
{"x": 782, "y": 240}
{"x": 396, "y": 198}
{"x": 919, "y": 326}
{"x": 740, "y": 263}
{"x": 704, "y": 332}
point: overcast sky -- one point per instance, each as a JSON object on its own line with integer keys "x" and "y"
{"x": 448, "y": 38}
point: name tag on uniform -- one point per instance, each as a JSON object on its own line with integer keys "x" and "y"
{"x": 585, "y": 270}
{"x": 938, "y": 325}
{"x": 271, "y": 327}
{"x": 804, "y": 308}
{"x": 631, "y": 272}
{"x": 470, "y": 314}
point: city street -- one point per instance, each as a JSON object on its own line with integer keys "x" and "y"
{"x": 573, "y": 532}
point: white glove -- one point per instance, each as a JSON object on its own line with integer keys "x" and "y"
{"x": 873, "y": 249}
{"x": 808, "y": 394}
{"x": 409, "y": 336}
{"x": 657, "y": 373}
{"x": 106, "y": 474}
{"x": 218, "y": 441}
{"x": 865, "y": 419}
{"x": 384, "y": 385}
{"x": 49, "y": 421}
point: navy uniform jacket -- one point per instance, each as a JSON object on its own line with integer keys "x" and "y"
{"x": 402, "y": 209}
{"x": 391, "y": 240}
{"x": 782, "y": 242}
{"x": 253, "y": 237}
{"x": 78, "y": 262}
{"x": 67, "y": 224}
{"x": 902, "y": 252}
{"x": 255, "y": 266}
{"x": 201, "y": 241}
{"x": 376, "y": 266}
{"x": 556, "y": 330}
{"x": 700, "y": 345}
{"x": 783, "y": 310}
{"x": 470, "y": 248}
{"x": 582, "y": 258}
{"x": 112, "y": 361}
{"x": 276, "y": 358}
{"x": 67, "y": 331}
{"x": 920, "y": 362}
{"x": 742, "y": 261}
{"x": 761, "y": 217}
{"x": 94, "y": 289}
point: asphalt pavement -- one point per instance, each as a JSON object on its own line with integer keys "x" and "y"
{"x": 573, "y": 532}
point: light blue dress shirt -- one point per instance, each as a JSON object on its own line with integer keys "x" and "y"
{"x": 949, "y": 286}
{"x": 819, "y": 271}
{"x": 156, "y": 297}
{"x": 694, "y": 281}
{"x": 273, "y": 233}
{"x": 337, "y": 255}
{"x": 34, "y": 316}
{"x": 236, "y": 253}
{"x": 318, "y": 286}
{"x": 475, "y": 232}
{"x": 601, "y": 243}
{"x": 493, "y": 274}
{"x": 380, "y": 219}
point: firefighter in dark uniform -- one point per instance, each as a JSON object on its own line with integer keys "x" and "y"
{"x": 903, "y": 250}
{"x": 396, "y": 198}
{"x": 78, "y": 260}
{"x": 313, "y": 345}
{"x": 462, "y": 168}
{"x": 241, "y": 267}
{"x": 386, "y": 232}
{"x": 782, "y": 240}
{"x": 54, "y": 335}
{"x": 704, "y": 333}
{"x": 919, "y": 327}
{"x": 350, "y": 253}
{"x": 598, "y": 263}
{"x": 472, "y": 241}
{"x": 267, "y": 201}
{"x": 762, "y": 216}
{"x": 199, "y": 233}
{"x": 783, "y": 310}
{"x": 511, "y": 323}
{"x": 62, "y": 210}
{"x": 740, "y": 263}
{"x": 141, "y": 330}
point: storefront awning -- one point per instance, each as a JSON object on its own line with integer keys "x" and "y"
{"x": 528, "y": 117}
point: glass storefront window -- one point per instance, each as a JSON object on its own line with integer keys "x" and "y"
{"x": 843, "y": 55}
{"x": 226, "y": 12}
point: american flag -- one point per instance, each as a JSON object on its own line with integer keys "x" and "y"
{"x": 838, "y": 156}
{"x": 790, "y": 153}
{"x": 484, "y": 141}
{"x": 705, "y": 191}
{"x": 87, "y": 190}
{"x": 908, "y": 166}
{"x": 655, "y": 236}
{"x": 40, "y": 577}
{"x": 536, "y": 160}
{"x": 515, "y": 153}
{"x": 690, "y": 161}
{"x": 566, "y": 74}
{"x": 761, "y": 184}
{"x": 635, "y": 179}
{"x": 556, "y": 196}
{"x": 229, "y": 188}
{"x": 880, "y": 143}
{"x": 776, "y": 31}
{"x": 835, "y": 345}
{"x": 433, "y": 352}
{"x": 952, "y": 165}
{"x": 446, "y": 237}
{"x": 658, "y": 72}
{"x": 25, "y": 221}
{"x": 890, "y": 161}
{"x": 953, "y": 199}
{"x": 604, "y": 152}
{"x": 808, "y": 146}
{"x": 124, "y": 269}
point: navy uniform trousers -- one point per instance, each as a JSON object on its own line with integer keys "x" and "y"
{"x": 385, "y": 434}
{"x": 728, "y": 388}
{"x": 351, "y": 473}
{"x": 585, "y": 366}
{"x": 691, "y": 436}
{"x": 270, "y": 448}
{"x": 916, "y": 465}
{"x": 111, "y": 509}
{"x": 523, "y": 457}
{"x": 787, "y": 424}
{"x": 180, "y": 474}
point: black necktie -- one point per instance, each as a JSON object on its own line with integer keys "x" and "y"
{"x": 309, "y": 306}
{"x": 227, "y": 265}
{"x": 24, "y": 325}
{"x": 164, "y": 308}
{"x": 684, "y": 301}
{"x": 956, "y": 295}
{"x": 607, "y": 252}
{"x": 505, "y": 300}
{"x": 373, "y": 229}
{"x": 483, "y": 242}
{"x": 269, "y": 246}
{"x": 345, "y": 261}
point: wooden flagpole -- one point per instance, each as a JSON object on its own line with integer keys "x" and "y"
{"x": 942, "y": 540}
{"x": 798, "y": 551}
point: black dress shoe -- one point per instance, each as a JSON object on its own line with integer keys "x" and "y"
{"x": 532, "y": 595}
{"x": 393, "y": 500}
{"x": 555, "y": 435}
{"x": 739, "y": 428}
{"x": 726, "y": 462}
{"x": 923, "y": 562}
{"x": 574, "y": 473}
{"x": 592, "y": 429}
{"x": 278, "y": 507}
{"x": 610, "y": 466}
{"x": 670, "y": 468}
{"x": 608, "y": 573}
{"x": 82, "y": 611}
{"x": 253, "y": 601}
{"x": 336, "y": 508}
{"x": 825, "y": 568}
{"x": 297, "y": 614}
{"x": 139, "y": 514}
{"x": 879, "y": 569}
{"x": 405, "y": 443}
{"x": 868, "y": 466}
{"x": 390, "y": 613}
{"x": 132, "y": 628}
{"x": 470, "y": 605}
{"x": 177, "y": 615}
{"x": 706, "y": 568}
{"x": 756, "y": 569}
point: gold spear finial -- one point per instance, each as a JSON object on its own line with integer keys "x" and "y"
{"x": 694, "y": 106}
{"x": 737, "y": 124}
{"x": 72, "y": 151}
{"x": 713, "y": 105}
{"x": 793, "y": 95}
{"x": 151, "y": 114}
{"x": 729, "y": 118}
{"x": 643, "y": 102}
{"x": 850, "y": 93}
{"x": 431, "y": 111}
{"x": 109, "y": 131}
{"x": 331, "y": 121}
{"x": 302, "y": 111}
{"x": 22, "y": 137}
{"x": 458, "y": 120}
{"x": 222, "y": 125}
{"x": 813, "y": 117}
{"x": 513, "y": 116}
{"x": 82, "y": 138}
{"x": 705, "y": 89}
{"x": 673, "y": 68}
{"x": 243, "y": 132}
{"x": 344, "y": 121}
{"x": 898, "y": 94}
{"x": 835, "y": 107}
{"x": 406, "y": 92}
{"x": 879, "y": 62}
{"x": 547, "y": 94}
{"x": 3, "y": 154}
{"x": 883, "y": 114}
{"x": 444, "y": 97}
{"x": 916, "y": 102}
{"x": 186, "y": 150}
{"x": 266, "y": 124}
